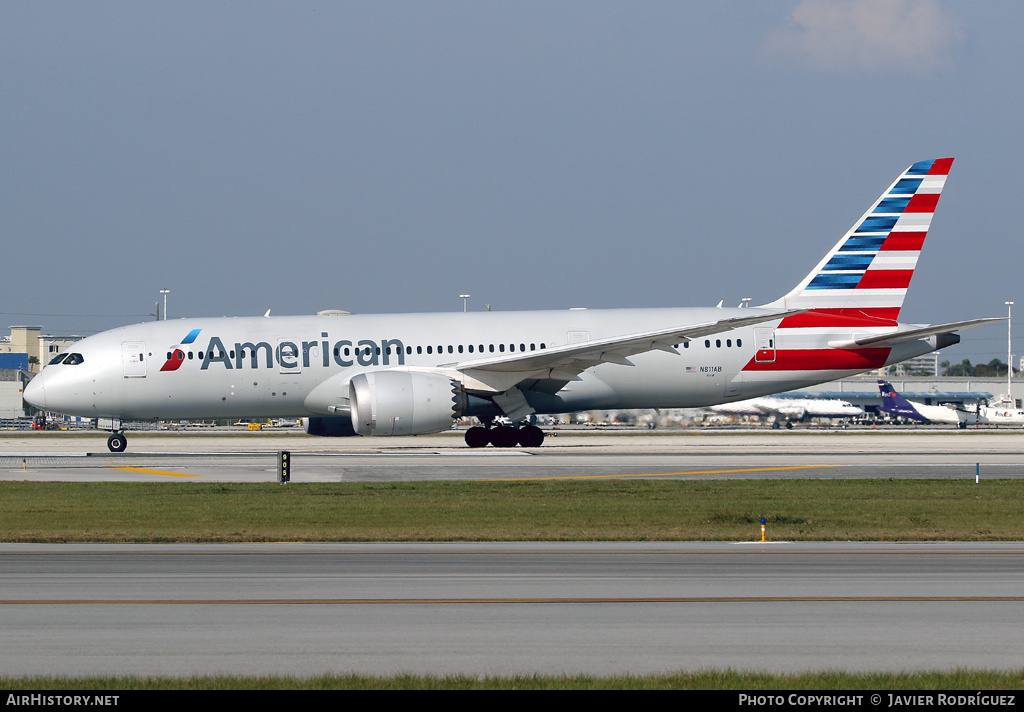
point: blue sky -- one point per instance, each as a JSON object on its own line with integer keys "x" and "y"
{"x": 385, "y": 157}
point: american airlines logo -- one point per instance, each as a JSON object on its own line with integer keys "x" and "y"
{"x": 177, "y": 357}
{"x": 288, "y": 354}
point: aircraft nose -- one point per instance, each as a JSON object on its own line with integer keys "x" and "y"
{"x": 35, "y": 391}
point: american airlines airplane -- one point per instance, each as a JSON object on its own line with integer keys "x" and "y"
{"x": 410, "y": 374}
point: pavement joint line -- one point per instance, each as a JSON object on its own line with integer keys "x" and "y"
{"x": 571, "y": 599}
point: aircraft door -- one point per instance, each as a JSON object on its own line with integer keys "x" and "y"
{"x": 133, "y": 354}
{"x": 764, "y": 339}
{"x": 289, "y": 358}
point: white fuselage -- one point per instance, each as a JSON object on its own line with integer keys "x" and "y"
{"x": 993, "y": 415}
{"x": 791, "y": 408}
{"x": 937, "y": 413}
{"x": 301, "y": 366}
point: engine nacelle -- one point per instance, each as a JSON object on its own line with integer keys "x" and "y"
{"x": 403, "y": 403}
{"x": 331, "y": 427}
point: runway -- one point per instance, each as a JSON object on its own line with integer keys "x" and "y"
{"x": 244, "y": 457}
{"x": 597, "y": 608}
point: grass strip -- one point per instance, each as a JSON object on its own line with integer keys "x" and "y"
{"x": 704, "y": 680}
{"x": 607, "y": 510}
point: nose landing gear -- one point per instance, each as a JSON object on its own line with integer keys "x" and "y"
{"x": 117, "y": 442}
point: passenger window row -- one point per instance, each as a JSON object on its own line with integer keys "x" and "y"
{"x": 73, "y": 359}
{"x": 718, "y": 344}
{"x": 350, "y": 351}
{"x": 471, "y": 348}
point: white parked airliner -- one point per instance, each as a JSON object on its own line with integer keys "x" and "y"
{"x": 786, "y": 410}
{"x": 408, "y": 374}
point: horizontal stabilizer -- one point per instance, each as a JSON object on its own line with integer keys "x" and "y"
{"x": 912, "y": 334}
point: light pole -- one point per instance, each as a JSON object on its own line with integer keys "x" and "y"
{"x": 464, "y": 297}
{"x": 1009, "y": 353}
{"x": 165, "y": 292}
{"x": 745, "y": 302}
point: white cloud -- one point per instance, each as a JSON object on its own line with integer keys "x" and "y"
{"x": 873, "y": 36}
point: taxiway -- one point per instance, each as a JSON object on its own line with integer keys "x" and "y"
{"x": 245, "y": 457}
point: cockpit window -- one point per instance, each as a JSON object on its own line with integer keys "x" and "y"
{"x": 57, "y": 359}
{"x": 73, "y": 359}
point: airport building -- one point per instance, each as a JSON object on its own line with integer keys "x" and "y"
{"x": 926, "y": 365}
{"x": 12, "y": 384}
{"x": 23, "y": 353}
{"x": 36, "y": 348}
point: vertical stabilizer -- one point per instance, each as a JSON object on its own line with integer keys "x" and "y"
{"x": 868, "y": 271}
{"x": 895, "y": 404}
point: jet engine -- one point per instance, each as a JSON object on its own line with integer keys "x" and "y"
{"x": 404, "y": 403}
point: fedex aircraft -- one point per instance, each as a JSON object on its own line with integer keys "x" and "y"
{"x": 895, "y": 404}
{"x": 409, "y": 374}
{"x": 992, "y": 415}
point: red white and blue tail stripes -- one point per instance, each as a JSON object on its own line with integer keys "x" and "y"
{"x": 868, "y": 271}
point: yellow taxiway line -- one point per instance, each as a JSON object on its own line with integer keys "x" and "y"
{"x": 660, "y": 474}
{"x": 154, "y": 472}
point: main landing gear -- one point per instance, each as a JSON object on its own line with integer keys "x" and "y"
{"x": 117, "y": 442}
{"x": 505, "y": 436}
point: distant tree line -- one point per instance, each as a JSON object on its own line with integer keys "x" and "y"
{"x": 993, "y": 369}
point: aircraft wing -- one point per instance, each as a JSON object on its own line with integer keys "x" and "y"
{"x": 752, "y": 406}
{"x": 912, "y": 334}
{"x": 778, "y": 407}
{"x": 781, "y": 408}
{"x": 565, "y": 363}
